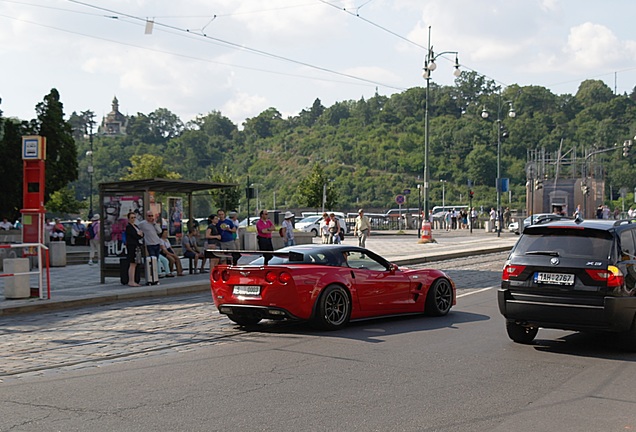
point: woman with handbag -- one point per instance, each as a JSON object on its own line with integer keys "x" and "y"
{"x": 212, "y": 240}
{"x": 134, "y": 242}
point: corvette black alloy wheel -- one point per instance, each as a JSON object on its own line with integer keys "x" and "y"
{"x": 334, "y": 308}
{"x": 440, "y": 298}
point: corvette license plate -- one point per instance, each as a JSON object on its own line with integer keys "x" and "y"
{"x": 554, "y": 278}
{"x": 247, "y": 290}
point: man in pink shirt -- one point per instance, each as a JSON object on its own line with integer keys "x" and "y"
{"x": 264, "y": 229}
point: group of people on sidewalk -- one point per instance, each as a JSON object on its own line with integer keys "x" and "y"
{"x": 148, "y": 238}
{"x": 330, "y": 230}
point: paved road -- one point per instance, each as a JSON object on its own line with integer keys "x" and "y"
{"x": 177, "y": 365}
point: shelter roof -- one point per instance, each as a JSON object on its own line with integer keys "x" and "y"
{"x": 161, "y": 185}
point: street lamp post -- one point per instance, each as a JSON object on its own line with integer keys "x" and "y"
{"x": 89, "y": 155}
{"x": 430, "y": 66}
{"x": 258, "y": 204}
{"x": 419, "y": 199}
{"x": 511, "y": 114}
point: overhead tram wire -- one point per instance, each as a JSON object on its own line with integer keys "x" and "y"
{"x": 243, "y": 47}
{"x": 179, "y": 54}
{"x": 399, "y": 36}
{"x": 357, "y": 15}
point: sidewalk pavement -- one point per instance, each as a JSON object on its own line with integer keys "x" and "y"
{"x": 79, "y": 285}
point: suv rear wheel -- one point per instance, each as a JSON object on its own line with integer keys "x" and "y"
{"x": 627, "y": 339}
{"x": 520, "y": 333}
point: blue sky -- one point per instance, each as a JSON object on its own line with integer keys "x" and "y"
{"x": 242, "y": 57}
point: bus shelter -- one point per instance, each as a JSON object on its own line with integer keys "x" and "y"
{"x": 117, "y": 199}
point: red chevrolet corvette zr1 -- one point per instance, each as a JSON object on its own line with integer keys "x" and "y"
{"x": 327, "y": 285}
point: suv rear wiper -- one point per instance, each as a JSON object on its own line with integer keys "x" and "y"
{"x": 549, "y": 253}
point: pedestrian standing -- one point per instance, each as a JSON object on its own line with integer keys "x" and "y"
{"x": 288, "y": 229}
{"x": 234, "y": 218}
{"x": 334, "y": 229}
{"x": 362, "y": 228}
{"x": 264, "y": 229}
{"x": 93, "y": 240}
{"x": 324, "y": 228}
{"x": 134, "y": 242}
{"x": 152, "y": 231}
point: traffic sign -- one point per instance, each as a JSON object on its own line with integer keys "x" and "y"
{"x": 400, "y": 199}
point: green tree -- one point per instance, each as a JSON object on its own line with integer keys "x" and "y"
{"x": 63, "y": 201}
{"x": 61, "y": 152}
{"x": 225, "y": 198}
{"x": 311, "y": 189}
{"x": 11, "y": 167}
{"x": 149, "y": 166}
{"x": 591, "y": 92}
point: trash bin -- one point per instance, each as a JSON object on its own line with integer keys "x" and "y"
{"x": 488, "y": 226}
{"x": 57, "y": 253}
{"x": 17, "y": 287}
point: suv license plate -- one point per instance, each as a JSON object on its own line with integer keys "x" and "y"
{"x": 554, "y": 278}
{"x": 247, "y": 290}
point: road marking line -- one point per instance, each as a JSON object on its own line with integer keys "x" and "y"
{"x": 475, "y": 292}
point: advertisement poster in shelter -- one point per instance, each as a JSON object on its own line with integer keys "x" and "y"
{"x": 175, "y": 217}
{"x": 115, "y": 217}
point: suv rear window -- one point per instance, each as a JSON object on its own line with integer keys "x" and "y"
{"x": 565, "y": 242}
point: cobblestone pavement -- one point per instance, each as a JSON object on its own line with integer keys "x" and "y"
{"x": 58, "y": 341}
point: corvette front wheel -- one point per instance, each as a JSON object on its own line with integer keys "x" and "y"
{"x": 439, "y": 298}
{"x": 334, "y": 308}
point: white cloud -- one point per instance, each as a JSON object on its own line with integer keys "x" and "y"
{"x": 243, "y": 105}
{"x": 592, "y": 46}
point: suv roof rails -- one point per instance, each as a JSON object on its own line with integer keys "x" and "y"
{"x": 623, "y": 222}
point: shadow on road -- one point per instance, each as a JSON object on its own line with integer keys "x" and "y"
{"x": 594, "y": 345}
{"x": 373, "y": 330}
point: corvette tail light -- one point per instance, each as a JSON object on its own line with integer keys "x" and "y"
{"x": 270, "y": 276}
{"x": 216, "y": 275}
{"x": 511, "y": 270}
{"x": 225, "y": 275}
{"x": 284, "y": 278}
{"x": 612, "y": 275}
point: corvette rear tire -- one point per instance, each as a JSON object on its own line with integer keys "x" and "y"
{"x": 334, "y": 308}
{"x": 521, "y": 334}
{"x": 244, "y": 321}
{"x": 439, "y": 298}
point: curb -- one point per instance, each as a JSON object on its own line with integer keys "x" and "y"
{"x": 100, "y": 299}
{"x": 450, "y": 255}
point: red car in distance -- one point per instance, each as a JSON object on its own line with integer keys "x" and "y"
{"x": 326, "y": 285}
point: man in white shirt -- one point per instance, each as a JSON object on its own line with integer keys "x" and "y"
{"x": 5, "y": 224}
{"x": 362, "y": 228}
{"x": 152, "y": 231}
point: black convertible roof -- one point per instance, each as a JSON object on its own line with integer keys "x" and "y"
{"x": 333, "y": 254}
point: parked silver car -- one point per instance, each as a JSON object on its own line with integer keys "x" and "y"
{"x": 535, "y": 219}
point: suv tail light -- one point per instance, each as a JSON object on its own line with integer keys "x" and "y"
{"x": 511, "y": 270}
{"x": 612, "y": 275}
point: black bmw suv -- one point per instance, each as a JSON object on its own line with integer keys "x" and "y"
{"x": 573, "y": 275}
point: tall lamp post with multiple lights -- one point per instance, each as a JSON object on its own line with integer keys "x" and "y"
{"x": 89, "y": 155}
{"x": 429, "y": 67}
{"x": 500, "y": 133}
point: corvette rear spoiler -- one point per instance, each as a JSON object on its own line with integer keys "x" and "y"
{"x": 235, "y": 255}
